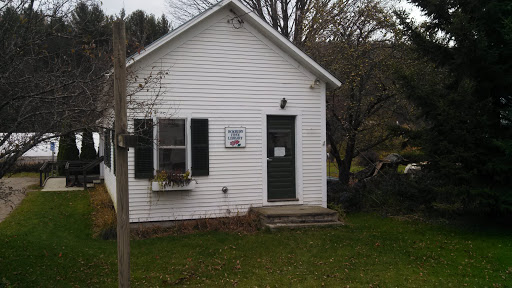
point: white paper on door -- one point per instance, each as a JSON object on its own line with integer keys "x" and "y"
{"x": 279, "y": 151}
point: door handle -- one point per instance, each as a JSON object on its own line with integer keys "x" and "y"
{"x": 269, "y": 159}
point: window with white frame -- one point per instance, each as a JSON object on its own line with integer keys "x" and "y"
{"x": 172, "y": 149}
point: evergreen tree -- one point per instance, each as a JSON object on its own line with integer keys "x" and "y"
{"x": 122, "y": 14}
{"x": 142, "y": 29}
{"x": 469, "y": 137}
{"x": 88, "y": 22}
{"x": 88, "y": 152}
{"x": 163, "y": 25}
{"x": 68, "y": 151}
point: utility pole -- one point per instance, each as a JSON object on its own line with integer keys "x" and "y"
{"x": 123, "y": 231}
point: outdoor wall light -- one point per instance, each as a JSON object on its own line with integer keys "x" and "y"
{"x": 283, "y": 103}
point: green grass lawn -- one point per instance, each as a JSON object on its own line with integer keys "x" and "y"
{"x": 47, "y": 242}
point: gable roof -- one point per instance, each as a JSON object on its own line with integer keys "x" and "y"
{"x": 264, "y": 28}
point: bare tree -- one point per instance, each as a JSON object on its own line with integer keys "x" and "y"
{"x": 363, "y": 50}
{"x": 51, "y": 81}
{"x": 298, "y": 20}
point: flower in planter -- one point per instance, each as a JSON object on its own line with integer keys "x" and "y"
{"x": 173, "y": 178}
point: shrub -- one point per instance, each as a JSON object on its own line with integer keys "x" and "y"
{"x": 88, "y": 152}
{"x": 26, "y": 167}
{"x": 338, "y": 208}
{"x": 248, "y": 223}
{"x": 426, "y": 192}
{"x": 104, "y": 220}
{"x": 397, "y": 194}
{"x": 67, "y": 150}
{"x": 350, "y": 197}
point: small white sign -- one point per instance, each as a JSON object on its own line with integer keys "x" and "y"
{"x": 235, "y": 137}
{"x": 279, "y": 151}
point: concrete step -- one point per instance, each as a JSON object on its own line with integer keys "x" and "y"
{"x": 319, "y": 218}
{"x": 97, "y": 181}
{"x": 295, "y": 215}
{"x": 303, "y": 225}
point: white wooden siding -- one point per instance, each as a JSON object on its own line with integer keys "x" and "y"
{"x": 229, "y": 76}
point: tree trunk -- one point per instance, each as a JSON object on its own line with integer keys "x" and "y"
{"x": 334, "y": 148}
{"x": 346, "y": 163}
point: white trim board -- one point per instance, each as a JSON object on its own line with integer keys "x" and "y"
{"x": 324, "y": 146}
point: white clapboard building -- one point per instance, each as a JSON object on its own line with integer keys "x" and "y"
{"x": 242, "y": 109}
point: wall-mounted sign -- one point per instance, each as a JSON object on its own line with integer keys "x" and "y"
{"x": 235, "y": 137}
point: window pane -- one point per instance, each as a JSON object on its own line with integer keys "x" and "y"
{"x": 172, "y": 159}
{"x": 172, "y": 132}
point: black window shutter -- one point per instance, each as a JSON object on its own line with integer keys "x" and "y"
{"x": 106, "y": 148}
{"x": 144, "y": 150}
{"x": 200, "y": 149}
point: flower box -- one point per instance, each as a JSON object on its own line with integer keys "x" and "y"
{"x": 155, "y": 186}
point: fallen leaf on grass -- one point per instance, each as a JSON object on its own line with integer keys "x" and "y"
{"x": 238, "y": 267}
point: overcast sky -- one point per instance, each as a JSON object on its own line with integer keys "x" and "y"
{"x": 156, "y": 7}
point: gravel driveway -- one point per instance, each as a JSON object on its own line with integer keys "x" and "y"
{"x": 12, "y": 191}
